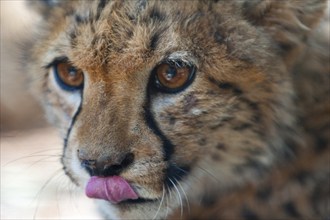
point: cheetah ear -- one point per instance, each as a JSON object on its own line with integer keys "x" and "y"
{"x": 289, "y": 22}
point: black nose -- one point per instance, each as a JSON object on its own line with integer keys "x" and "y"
{"x": 106, "y": 166}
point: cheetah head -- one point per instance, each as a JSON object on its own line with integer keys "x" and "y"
{"x": 161, "y": 102}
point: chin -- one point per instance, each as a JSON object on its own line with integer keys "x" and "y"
{"x": 131, "y": 210}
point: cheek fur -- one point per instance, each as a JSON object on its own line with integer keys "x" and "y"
{"x": 69, "y": 100}
{"x": 60, "y": 105}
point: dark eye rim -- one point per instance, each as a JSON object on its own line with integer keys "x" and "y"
{"x": 176, "y": 63}
{"x": 58, "y": 79}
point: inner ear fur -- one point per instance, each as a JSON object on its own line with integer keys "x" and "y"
{"x": 289, "y": 22}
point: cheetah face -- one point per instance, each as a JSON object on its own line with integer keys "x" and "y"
{"x": 158, "y": 102}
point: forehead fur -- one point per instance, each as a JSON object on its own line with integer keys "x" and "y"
{"x": 98, "y": 34}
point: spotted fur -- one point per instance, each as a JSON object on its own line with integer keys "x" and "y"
{"x": 248, "y": 139}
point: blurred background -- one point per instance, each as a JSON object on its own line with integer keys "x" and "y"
{"x": 33, "y": 185}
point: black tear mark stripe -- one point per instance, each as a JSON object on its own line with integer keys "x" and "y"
{"x": 173, "y": 172}
{"x": 67, "y": 138}
{"x": 168, "y": 146}
{"x": 74, "y": 118}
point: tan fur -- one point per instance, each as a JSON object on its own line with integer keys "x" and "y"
{"x": 243, "y": 124}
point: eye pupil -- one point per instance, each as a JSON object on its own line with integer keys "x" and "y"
{"x": 170, "y": 74}
{"x": 72, "y": 71}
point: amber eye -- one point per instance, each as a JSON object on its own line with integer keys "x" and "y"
{"x": 171, "y": 77}
{"x": 68, "y": 77}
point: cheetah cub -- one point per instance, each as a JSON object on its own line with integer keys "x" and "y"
{"x": 189, "y": 109}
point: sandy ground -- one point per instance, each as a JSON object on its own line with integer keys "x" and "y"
{"x": 33, "y": 185}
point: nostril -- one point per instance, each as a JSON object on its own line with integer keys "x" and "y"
{"x": 88, "y": 162}
{"x": 115, "y": 169}
{"x": 111, "y": 170}
{"x": 104, "y": 165}
{"x": 90, "y": 166}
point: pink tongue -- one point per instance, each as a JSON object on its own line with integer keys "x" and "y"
{"x": 114, "y": 189}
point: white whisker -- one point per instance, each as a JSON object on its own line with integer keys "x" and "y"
{"x": 184, "y": 193}
{"x": 160, "y": 205}
{"x": 43, "y": 160}
{"x": 29, "y": 156}
{"x": 209, "y": 173}
{"x": 55, "y": 175}
{"x": 167, "y": 207}
{"x": 179, "y": 196}
{"x": 59, "y": 191}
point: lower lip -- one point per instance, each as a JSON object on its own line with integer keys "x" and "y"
{"x": 136, "y": 201}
